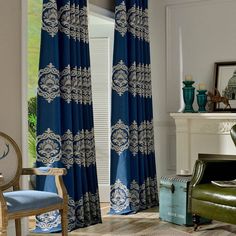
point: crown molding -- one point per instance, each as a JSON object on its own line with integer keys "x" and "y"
{"x": 190, "y": 2}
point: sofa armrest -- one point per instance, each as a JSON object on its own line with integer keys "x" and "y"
{"x": 198, "y": 173}
{"x": 206, "y": 170}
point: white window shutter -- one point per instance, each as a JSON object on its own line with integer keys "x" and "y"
{"x": 100, "y": 72}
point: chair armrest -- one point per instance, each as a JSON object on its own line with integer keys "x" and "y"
{"x": 198, "y": 172}
{"x": 3, "y": 208}
{"x": 57, "y": 172}
{"x": 44, "y": 171}
{"x": 209, "y": 169}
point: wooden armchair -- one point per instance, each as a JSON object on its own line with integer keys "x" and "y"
{"x": 22, "y": 203}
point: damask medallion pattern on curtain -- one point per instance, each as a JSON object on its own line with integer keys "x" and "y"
{"x": 133, "y": 168}
{"x": 65, "y": 134}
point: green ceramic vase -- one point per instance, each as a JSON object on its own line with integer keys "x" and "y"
{"x": 202, "y": 100}
{"x": 188, "y": 94}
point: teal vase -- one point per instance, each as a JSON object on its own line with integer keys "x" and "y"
{"x": 188, "y": 94}
{"x": 202, "y": 100}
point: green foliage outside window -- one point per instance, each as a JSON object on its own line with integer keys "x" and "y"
{"x": 32, "y": 122}
{"x": 34, "y": 34}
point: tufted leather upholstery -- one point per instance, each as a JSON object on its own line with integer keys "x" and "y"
{"x": 208, "y": 200}
{"x": 215, "y": 194}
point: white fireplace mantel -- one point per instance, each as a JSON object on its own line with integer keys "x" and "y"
{"x": 202, "y": 133}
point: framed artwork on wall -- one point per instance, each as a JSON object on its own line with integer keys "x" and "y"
{"x": 225, "y": 86}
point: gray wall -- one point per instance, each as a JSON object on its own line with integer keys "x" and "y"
{"x": 205, "y": 40}
{"x": 107, "y": 4}
{"x": 10, "y": 67}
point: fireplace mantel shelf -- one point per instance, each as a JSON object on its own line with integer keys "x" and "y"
{"x": 202, "y": 133}
{"x": 217, "y": 116}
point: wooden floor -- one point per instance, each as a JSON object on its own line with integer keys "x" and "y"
{"x": 146, "y": 223}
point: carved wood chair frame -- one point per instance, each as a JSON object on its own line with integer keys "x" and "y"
{"x": 5, "y": 216}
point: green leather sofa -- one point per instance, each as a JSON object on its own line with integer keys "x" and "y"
{"x": 208, "y": 200}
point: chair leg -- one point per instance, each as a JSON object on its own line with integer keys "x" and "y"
{"x": 196, "y": 221}
{"x": 18, "y": 227}
{"x": 3, "y": 230}
{"x": 64, "y": 222}
{"x": 3, "y": 233}
{"x": 3, "y": 227}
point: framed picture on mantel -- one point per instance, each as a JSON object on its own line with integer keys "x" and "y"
{"x": 225, "y": 86}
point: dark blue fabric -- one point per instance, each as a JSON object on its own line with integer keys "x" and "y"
{"x": 65, "y": 136}
{"x": 27, "y": 200}
{"x": 133, "y": 168}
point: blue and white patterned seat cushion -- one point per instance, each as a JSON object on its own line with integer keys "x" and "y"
{"x": 30, "y": 200}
